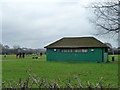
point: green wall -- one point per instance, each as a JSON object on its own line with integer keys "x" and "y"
{"x": 90, "y": 56}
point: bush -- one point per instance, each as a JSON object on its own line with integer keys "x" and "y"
{"x": 33, "y": 81}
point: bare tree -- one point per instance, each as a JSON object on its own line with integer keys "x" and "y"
{"x": 16, "y": 49}
{"x": 16, "y": 46}
{"x": 6, "y": 46}
{"x": 107, "y": 16}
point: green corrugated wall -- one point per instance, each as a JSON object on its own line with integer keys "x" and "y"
{"x": 90, "y": 56}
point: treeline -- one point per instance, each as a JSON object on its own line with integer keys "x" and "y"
{"x": 17, "y": 49}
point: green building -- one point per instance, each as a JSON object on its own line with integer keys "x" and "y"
{"x": 77, "y": 49}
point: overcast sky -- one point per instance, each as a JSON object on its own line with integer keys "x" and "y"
{"x": 37, "y": 23}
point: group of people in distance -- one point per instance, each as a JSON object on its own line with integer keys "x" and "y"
{"x": 20, "y": 55}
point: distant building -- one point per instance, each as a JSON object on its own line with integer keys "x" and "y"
{"x": 77, "y": 49}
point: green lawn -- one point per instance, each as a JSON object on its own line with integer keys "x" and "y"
{"x": 117, "y": 57}
{"x": 13, "y": 69}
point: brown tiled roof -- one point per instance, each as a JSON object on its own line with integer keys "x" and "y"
{"x": 77, "y": 42}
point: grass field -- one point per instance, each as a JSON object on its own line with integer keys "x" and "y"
{"x": 117, "y": 57}
{"x": 13, "y": 69}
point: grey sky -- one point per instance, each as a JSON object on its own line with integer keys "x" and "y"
{"x": 36, "y": 24}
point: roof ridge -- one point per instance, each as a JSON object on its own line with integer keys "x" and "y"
{"x": 77, "y": 37}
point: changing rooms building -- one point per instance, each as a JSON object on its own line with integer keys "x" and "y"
{"x": 77, "y": 49}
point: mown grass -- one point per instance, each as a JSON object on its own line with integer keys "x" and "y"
{"x": 116, "y": 57}
{"x": 13, "y": 69}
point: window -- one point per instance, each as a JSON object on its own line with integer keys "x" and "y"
{"x": 65, "y": 50}
{"x": 68, "y": 50}
{"x": 74, "y": 50}
{"x": 78, "y": 50}
{"x": 84, "y": 50}
{"x": 61, "y": 50}
{"x": 71, "y": 50}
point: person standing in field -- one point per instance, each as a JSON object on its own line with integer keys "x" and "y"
{"x": 20, "y": 55}
{"x": 4, "y": 55}
{"x": 17, "y": 55}
{"x": 112, "y": 58}
{"x": 23, "y": 55}
{"x": 40, "y": 54}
